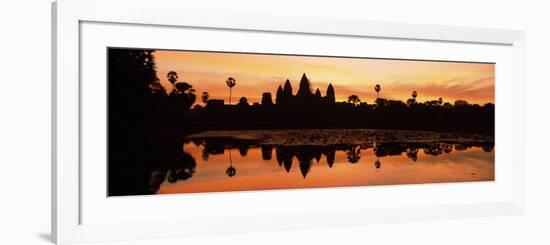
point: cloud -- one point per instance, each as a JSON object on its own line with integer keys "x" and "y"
{"x": 477, "y": 91}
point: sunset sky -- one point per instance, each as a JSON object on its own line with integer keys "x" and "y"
{"x": 256, "y": 74}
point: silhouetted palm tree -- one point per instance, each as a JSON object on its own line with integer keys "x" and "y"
{"x": 377, "y": 88}
{"x": 354, "y": 154}
{"x": 231, "y": 171}
{"x": 412, "y": 153}
{"x": 172, "y": 77}
{"x": 412, "y": 101}
{"x": 205, "y": 96}
{"x": 182, "y": 96}
{"x": 231, "y": 82}
{"x": 354, "y": 100}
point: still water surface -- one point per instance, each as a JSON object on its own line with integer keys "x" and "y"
{"x": 222, "y": 165}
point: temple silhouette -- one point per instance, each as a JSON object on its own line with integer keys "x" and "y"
{"x": 307, "y": 109}
{"x": 284, "y": 98}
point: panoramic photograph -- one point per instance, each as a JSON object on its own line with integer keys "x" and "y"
{"x": 183, "y": 121}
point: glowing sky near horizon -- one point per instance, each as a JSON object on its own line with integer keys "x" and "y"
{"x": 256, "y": 74}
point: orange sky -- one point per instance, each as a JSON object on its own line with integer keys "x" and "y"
{"x": 256, "y": 74}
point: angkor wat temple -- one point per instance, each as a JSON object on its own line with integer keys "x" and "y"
{"x": 307, "y": 109}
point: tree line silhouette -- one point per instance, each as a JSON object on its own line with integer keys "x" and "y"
{"x": 139, "y": 111}
{"x": 306, "y": 109}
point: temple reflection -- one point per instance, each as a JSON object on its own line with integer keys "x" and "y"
{"x": 285, "y": 155}
{"x": 179, "y": 165}
{"x": 377, "y": 164}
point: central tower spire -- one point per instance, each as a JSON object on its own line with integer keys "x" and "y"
{"x": 305, "y": 87}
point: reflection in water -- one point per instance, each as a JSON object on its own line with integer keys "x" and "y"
{"x": 354, "y": 154}
{"x": 427, "y": 163}
{"x": 178, "y": 169}
{"x": 209, "y": 165}
{"x": 412, "y": 153}
{"x": 377, "y": 164}
{"x": 266, "y": 152}
{"x": 231, "y": 171}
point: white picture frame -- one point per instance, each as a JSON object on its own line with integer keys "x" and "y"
{"x": 67, "y": 19}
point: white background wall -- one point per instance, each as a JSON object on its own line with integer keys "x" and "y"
{"x": 25, "y": 122}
